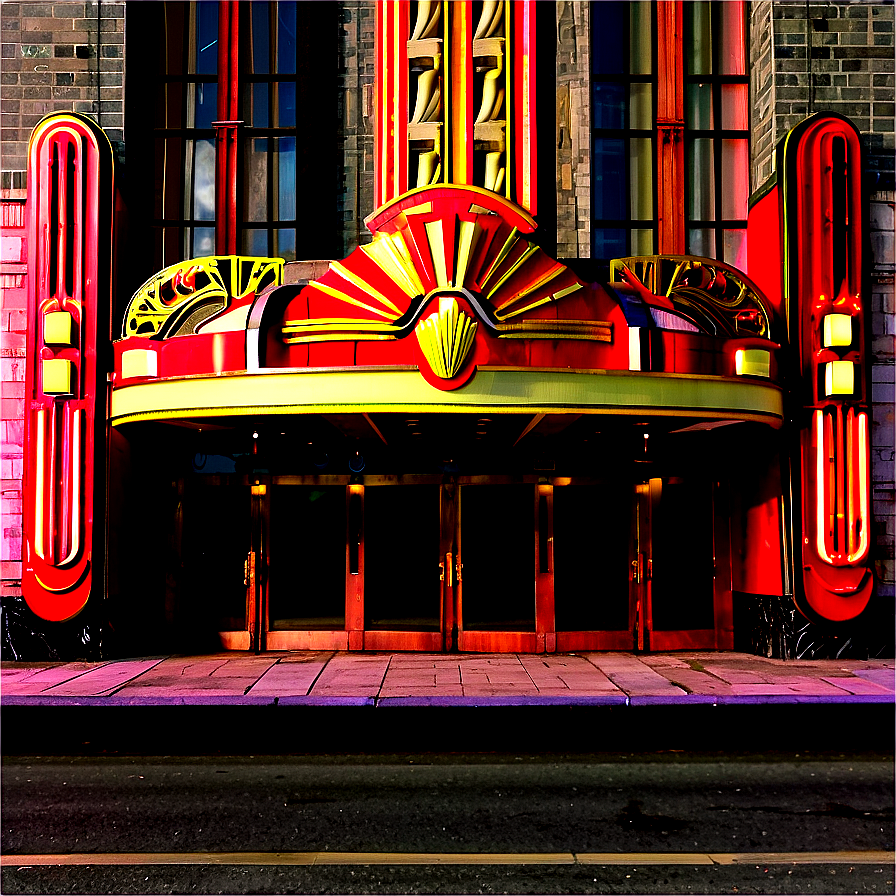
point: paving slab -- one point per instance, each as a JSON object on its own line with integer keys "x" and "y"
{"x": 40, "y": 680}
{"x": 290, "y": 677}
{"x": 103, "y": 680}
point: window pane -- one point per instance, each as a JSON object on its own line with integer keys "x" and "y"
{"x": 204, "y": 181}
{"x": 735, "y": 250}
{"x": 610, "y": 179}
{"x": 641, "y": 154}
{"x": 640, "y": 37}
{"x": 702, "y": 242}
{"x": 286, "y": 153}
{"x": 642, "y": 242}
{"x": 286, "y": 37}
{"x": 609, "y": 243}
{"x": 702, "y": 180}
{"x": 255, "y": 180}
{"x": 286, "y": 104}
{"x": 261, "y": 37}
{"x": 206, "y": 108}
{"x": 203, "y": 241}
{"x": 698, "y": 102}
{"x": 256, "y": 106}
{"x": 609, "y": 106}
{"x": 641, "y": 107}
{"x": 698, "y": 38}
{"x": 734, "y": 106}
{"x": 731, "y": 47}
{"x": 735, "y": 179}
{"x": 285, "y": 247}
{"x": 255, "y": 242}
{"x": 607, "y": 55}
{"x": 206, "y": 38}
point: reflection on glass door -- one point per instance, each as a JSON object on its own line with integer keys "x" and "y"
{"x": 686, "y": 601}
{"x": 307, "y": 557}
{"x": 497, "y": 569}
{"x": 592, "y": 534}
{"x": 218, "y": 578}
{"x": 403, "y": 580}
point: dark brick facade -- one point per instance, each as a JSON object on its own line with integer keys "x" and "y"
{"x": 805, "y": 58}
{"x": 58, "y": 57}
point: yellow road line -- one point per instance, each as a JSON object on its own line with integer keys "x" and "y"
{"x": 854, "y": 857}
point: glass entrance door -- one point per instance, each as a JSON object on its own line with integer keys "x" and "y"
{"x": 496, "y": 562}
{"x": 219, "y": 576}
{"x": 404, "y": 551}
{"x": 594, "y": 535}
{"x": 681, "y": 572}
{"x": 307, "y": 558}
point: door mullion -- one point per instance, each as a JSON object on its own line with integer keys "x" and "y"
{"x": 354, "y": 567}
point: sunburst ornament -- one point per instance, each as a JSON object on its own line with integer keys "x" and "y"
{"x": 445, "y": 338}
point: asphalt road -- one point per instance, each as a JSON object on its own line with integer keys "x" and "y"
{"x": 629, "y": 805}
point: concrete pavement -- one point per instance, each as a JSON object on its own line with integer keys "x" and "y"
{"x": 325, "y": 678}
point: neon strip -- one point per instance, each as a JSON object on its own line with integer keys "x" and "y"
{"x": 824, "y": 487}
{"x": 75, "y": 487}
{"x": 365, "y": 287}
{"x": 345, "y": 297}
{"x": 499, "y": 390}
{"x": 513, "y": 269}
{"x": 859, "y": 524}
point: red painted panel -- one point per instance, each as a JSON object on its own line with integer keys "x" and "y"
{"x": 765, "y": 246}
{"x": 70, "y": 185}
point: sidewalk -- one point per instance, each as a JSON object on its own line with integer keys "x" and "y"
{"x": 321, "y": 678}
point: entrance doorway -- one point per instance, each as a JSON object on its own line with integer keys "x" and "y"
{"x": 469, "y": 563}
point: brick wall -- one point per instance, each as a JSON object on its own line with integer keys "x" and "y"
{"x": 58, "y": 57}
{"x": 573, "y": 136}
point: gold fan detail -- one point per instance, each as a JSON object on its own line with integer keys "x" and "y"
{"x": 445, "y": 338}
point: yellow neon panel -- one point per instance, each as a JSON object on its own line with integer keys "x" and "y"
{"x": 837, "y": 330}
{"x": 57, "y": 376}
{"x": 752, "y": 362}
{"x": 139, "y": 362}
{"x": 59, "y": 328}
{"x": 839, "y": 378}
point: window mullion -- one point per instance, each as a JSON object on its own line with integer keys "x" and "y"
{"x": 670, "y": 129}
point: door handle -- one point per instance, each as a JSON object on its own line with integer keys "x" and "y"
{"x": 249, "y": 569}
{"x": 634, "y": 576}
{"x": 446, "y": 566}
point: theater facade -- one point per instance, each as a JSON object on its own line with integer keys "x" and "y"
{"x": 450, "y": 438}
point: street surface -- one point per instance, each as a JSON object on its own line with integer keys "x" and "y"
{"x": 516, "y": 823}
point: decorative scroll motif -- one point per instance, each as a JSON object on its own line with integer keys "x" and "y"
{"x": 490, "y": 126}
{"x": 443, "y": 241}
{"x": 180, "y": 299}
{"x": 446, "y": 337}
{"x": 424, "y": 63}
{"x": 455, "y": 96}
{"x": 715, "y": 297}
{"x": 70, "y": 185}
